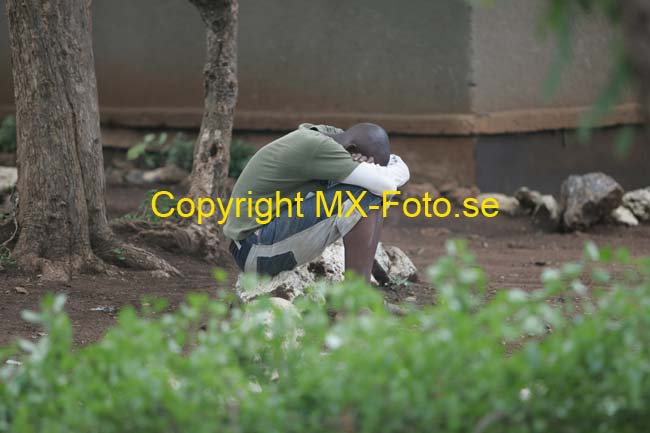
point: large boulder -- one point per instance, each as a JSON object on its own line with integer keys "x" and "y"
{"x": 638, "y": 202}
{"x": 588, "y": 199}
{"x": 391, "y": 265}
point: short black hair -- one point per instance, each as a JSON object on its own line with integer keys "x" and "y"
{"x": 368, "y": 139}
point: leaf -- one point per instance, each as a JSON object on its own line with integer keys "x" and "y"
{"x": 136, "y": 151}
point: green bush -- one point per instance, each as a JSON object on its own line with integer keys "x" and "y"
{"x": 155, "y": 151}
{"x": 8, "y": 135}
{"x": 510, "y": 362}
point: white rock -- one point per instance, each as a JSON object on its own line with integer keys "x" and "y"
{"x": 391, "y": 264}
{"x": 638, "y": 201}
{"x": 168, "y": 174}
{"x": 508, "y": 205}
{"x": 286, "y": 285}
{"x": 623, "y": 215}
{"x": 8, "y": 178}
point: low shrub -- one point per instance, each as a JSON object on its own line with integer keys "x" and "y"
{"x": 338, "y": 362}
{"x": 156, "y": 150}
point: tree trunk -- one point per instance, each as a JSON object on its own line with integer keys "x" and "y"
{"x": 212, "y": 151}
{"x": 61, "y": 210}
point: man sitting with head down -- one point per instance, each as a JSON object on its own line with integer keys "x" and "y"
{"x": 310, "y": 159}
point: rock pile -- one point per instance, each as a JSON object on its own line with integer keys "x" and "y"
{"x": 391, "y": 265}
{"x": 585, "y": 200}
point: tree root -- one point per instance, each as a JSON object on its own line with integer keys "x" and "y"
{"x": 198, "y": 240}
{"x": 114, "y": 251}
{"x": 62, "y": 269}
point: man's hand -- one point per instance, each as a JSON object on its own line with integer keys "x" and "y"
{"x": 363, "y": 158}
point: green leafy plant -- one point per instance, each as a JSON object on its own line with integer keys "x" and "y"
{"x": 8, "y": 134}
{"x": 156, "y": 150}
{"x": 565, "y": 358}
{"x": 149, "y": 151}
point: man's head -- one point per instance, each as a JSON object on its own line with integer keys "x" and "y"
{"x": 367, "y": 139}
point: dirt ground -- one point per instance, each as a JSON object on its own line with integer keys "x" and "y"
{"x": 511, "y": 250}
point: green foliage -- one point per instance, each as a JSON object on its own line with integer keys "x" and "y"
{"x": 8, "y": 135}
{"x": 514, "y": 362}
{"x": 155, "y": 151}
{"x": 150, "y": 151}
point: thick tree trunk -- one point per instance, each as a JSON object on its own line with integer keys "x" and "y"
{"x": 212, "y": 151}
{"x": 61, "y": 210}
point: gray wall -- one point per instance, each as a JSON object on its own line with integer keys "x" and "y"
{"x": 425, "y": 67}
{"x": 511, "y": 59}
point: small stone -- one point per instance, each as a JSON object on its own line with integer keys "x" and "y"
{"x": 588, "y": 199}
{"x": 104, "y": 309}
{"x": 638, "y": 202}
{"x": 508, "y": 205}
{"x": 419, "y": 190}
{"x": 624, "y": 216}
{"x": 8, "y": 178}
{"x": 460, "y": 194}
{"x": 447, "y": 187}
{"x": 114, "y": 176}
{"x": 21, "y": 290}
{"x": 546, "y": 214}
{"x": 159, "y": 273}
{"x": 528, "y": 199}
{"x": 169, "y": 174}
{"x": 392, "y": 265}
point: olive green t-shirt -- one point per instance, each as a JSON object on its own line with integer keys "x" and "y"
{"x": 304, "y": 161}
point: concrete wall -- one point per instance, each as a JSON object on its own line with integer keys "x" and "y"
{"x": 297, "y": 59}
{"x": 423, "y": 67}
{"x": 511, "y": 59}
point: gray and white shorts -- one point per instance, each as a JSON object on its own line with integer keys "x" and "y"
{"x": 286, "y": 242}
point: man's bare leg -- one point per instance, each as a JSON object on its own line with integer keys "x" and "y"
{"x": 361, "y": 244}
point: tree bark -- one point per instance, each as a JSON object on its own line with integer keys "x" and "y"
{"x": 212, "y": 150}
{"x": 61, "y": 210}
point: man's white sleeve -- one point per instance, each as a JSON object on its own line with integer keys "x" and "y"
{"x": 377, "y": 179}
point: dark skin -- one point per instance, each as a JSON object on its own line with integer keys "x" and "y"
{"x": 366, "y": 142}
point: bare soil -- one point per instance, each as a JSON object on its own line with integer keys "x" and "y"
{"x": 511, "y": 250}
